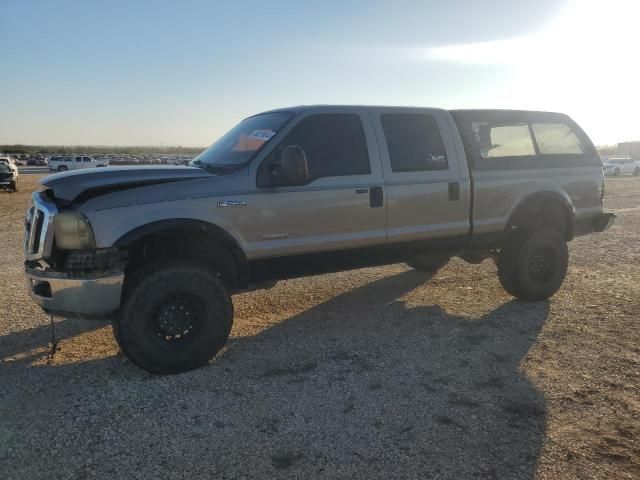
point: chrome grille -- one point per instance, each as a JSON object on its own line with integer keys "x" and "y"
{"x": 38, "y": 234}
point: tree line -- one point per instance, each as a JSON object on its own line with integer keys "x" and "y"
{"x": 95, "y": 150}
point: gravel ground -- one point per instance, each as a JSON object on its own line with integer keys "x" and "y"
{"x": 375, "y": 373}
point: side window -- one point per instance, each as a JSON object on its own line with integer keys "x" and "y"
{"x": 334, "y": 143}
{"x": 86, "y": 159}
{"x": 556, "y": 139}
{"x": 496, "y": 141}
{"x": 414, "y": 142}
{"x": 78, "y": 159}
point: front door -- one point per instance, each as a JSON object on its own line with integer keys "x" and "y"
{"x": 342, "y": 205}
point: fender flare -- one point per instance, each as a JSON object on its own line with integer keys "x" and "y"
{"x": 190, "y": 224}
{"x": 546, "y": 196}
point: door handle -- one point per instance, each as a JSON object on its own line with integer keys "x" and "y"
{"x": 376, "y": 198}
{"x": 454, "y": 191}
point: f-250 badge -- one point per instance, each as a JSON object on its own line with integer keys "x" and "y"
{"x": 232, "y": 203}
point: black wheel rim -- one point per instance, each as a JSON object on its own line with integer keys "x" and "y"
{"x": 177, "y": 321}
{"x": 542, "y": 264}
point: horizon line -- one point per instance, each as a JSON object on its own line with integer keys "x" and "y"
{"x": 14, "y": 145}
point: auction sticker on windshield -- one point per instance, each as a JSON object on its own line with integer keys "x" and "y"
{"x": 263, "y": 134}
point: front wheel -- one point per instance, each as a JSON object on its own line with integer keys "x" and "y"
{"x": 616, "y": 172}
{"x": 636, "y": 172}
{"x": 533, "y": 264}
{"x": 62, "y": 168}
{"x": 174, "y": 318}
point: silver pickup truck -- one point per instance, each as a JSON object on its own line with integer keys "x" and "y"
{"x": 307, "y": 190}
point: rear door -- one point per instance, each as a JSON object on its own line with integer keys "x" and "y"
{"x": 341, "y": 207}
{"x": 425, "y": 175}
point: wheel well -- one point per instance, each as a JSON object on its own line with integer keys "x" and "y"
{"x": 546, "y": 209}
{"x": 187, "y": 241}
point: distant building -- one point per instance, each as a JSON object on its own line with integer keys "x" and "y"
{"x": 629, "y": 149}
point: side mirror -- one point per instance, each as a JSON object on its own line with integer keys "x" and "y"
{"x": 292, "y": 169}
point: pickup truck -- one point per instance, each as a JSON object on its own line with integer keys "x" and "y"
{"x": 8, "y": 179}
{"x": 12, "y": 165}
{"x": 74, "y": 162}
{"x": 308, "y": 190}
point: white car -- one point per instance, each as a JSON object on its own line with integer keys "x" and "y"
{"x": 11, "y": 163}
{"x": 621, "y": 166}
{"x": 74, "y": 162}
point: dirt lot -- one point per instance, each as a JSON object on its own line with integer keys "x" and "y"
{"x": 375, "y": 373}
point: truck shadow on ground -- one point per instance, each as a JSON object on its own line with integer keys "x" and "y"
{"x": 361, "y": 386}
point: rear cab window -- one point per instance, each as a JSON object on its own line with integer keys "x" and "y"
{"x": 557, "y": 139}
{"x": 506, "y": 140}
{"x": 496, "y": 141}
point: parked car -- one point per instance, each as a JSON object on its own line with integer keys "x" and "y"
{"x": 8, "y": 179}
{"x": 309, "y": 190}
{"x": 10, "y": 162}
{"x": 74, "y": 162}
{"x": 621, "y": 166}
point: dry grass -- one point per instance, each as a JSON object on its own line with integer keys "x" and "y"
{"x": 372, "y": 373}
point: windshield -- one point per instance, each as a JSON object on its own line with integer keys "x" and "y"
{"x": 242, "y": 142}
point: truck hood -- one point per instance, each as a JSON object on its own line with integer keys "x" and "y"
{"x": 69, "y": 185}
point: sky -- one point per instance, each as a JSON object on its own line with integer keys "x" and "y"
{"x": 75, "y": 72}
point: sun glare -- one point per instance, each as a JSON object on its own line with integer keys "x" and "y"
{"x": 583, "y": 62}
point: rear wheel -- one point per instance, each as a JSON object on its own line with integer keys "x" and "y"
{"x": 62, "y": 168}
{"x": 533, "y": 263}
{"x": 616, "y": 172}
{"x": 636, "y": 172}
{"x": 174, "y": 318}
{"x": 13, "y": 186}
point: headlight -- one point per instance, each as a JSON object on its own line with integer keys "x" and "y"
{"x": 73, "y": 232}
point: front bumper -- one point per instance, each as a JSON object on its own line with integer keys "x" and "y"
{"x": 8, "y": 180}
{"x": 86, "y": 297}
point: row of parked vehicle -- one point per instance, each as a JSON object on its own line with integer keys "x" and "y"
{"x": 74, "y": 162}
{"x": 61, "y": 163}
